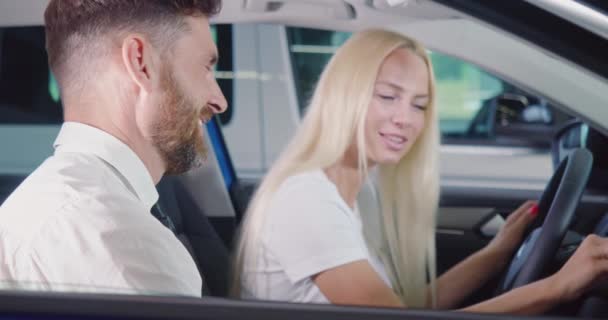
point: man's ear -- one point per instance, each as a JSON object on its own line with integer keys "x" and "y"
{"x": 137, "y": 56}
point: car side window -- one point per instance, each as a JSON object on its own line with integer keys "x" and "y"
{"x": 28, "y": 91}
{"x": 310, "y": 51}
{"x": 474, "y": 105}
{"x": 462, "y": 90}
{"x": 224, "y": 70}
{"x": 30, "y": 108}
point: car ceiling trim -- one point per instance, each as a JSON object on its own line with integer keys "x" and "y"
{"x": 542, "y": 28}
{"x": 336, "y": 9}
{"x": 577, "y": 13}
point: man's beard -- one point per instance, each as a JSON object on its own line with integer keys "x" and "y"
{"x": 178, "y": 134}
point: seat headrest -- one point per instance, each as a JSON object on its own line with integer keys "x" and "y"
{"x": 597, "y": 143}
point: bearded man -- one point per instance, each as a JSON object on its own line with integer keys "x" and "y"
{"x": 137, "y": 84}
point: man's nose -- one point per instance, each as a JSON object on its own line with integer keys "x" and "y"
{"x": 217, "y": 102}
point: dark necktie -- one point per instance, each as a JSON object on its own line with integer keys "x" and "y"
{"x": 158, "y": 212}
{"x": 165, "y": 219}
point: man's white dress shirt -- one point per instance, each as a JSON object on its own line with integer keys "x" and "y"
{"x": 81, "y": 222}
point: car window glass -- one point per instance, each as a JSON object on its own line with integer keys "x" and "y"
{"x": 471, "y": 101}
{"x": 28, "y": 91}
{"x": 30, "y": 108}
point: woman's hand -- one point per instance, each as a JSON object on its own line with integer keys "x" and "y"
{"x": 586, "y": 267}
{"x": 470, "y": 274}
{"x": 510, "y": 235}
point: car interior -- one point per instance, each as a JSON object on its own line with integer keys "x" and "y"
{"x": 198, "y": 226}
{"x": 205, "y": 206}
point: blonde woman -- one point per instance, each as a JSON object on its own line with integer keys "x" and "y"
{"x": 303, "y": 239}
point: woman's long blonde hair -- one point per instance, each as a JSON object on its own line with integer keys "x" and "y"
{"x": 409, "y": 190}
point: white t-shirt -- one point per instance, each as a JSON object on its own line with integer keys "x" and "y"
{"x": 82, "y": 222}
{"x": 308, "y": 229}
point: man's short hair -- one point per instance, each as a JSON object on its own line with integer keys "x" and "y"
{"x": 72, "y": 26}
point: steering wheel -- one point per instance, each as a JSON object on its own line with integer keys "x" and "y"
{"x": 556, "y": 210}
